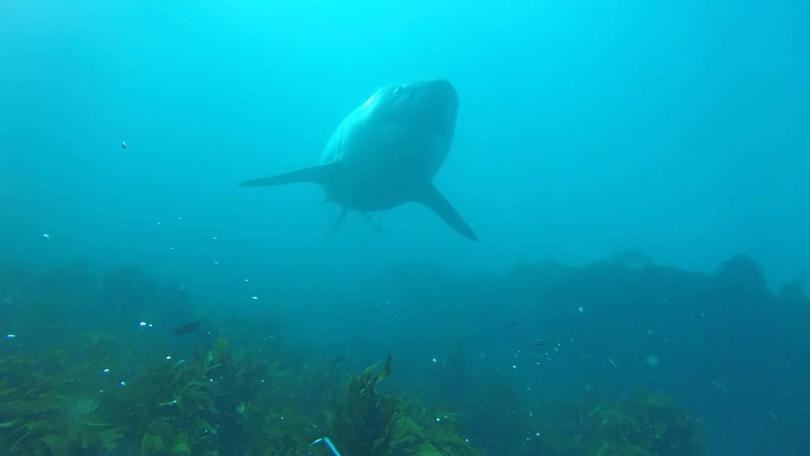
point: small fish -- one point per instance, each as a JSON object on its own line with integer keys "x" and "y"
{"x": 719, "y": 386}
{"x": 187, "y": 328}
{"x": 507, "y": 324}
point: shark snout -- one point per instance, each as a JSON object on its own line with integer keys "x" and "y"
{"x": 439, "y": 89}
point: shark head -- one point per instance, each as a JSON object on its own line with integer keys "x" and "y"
{"x": 432, "y": 104}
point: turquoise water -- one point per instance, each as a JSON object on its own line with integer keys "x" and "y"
{"x": 585, "y": 130}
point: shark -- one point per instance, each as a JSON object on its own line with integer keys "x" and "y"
{"x": 386, "y": 152}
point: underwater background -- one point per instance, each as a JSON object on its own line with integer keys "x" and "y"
{"x": 637, "y": 174}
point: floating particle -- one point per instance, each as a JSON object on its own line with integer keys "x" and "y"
{"x": 106, "y": 370}
{"x": 438, "y": 419}
{"x": 215, "y": 238}
{"x": 46, "y": 236}
{"x": 168, "y": 357}
{"x": 122, "y": 383}
{"x": 179, "y": 219}
{"x": 150, "y": 325}
{"x": 124, "y": 145}
{"x": 652, "y": 360}
{"x": 255, "y": 298}
{"x": 514, "y": 366}
{"x": 581, "y": 309}
{"x": 245, "y": 280}
{"x": 11, "y": 336}
{"x": 216, "y": 263}
{"x": 434, "y": 360}
{"x": 142, "y": 324}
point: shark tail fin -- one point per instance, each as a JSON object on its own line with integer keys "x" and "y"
{"x": 318, "y": 174}
{"x": 432, "y": 198}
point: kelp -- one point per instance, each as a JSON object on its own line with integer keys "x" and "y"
{"x": 238, "y": 390}
{"x": 643, "y": 424}
{"x": 363, "y": 418}
{"x": 366, "y": 422}
{"x": 47, "y": 407}
{"x": 221, "y": 402}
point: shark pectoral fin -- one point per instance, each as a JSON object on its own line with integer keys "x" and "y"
{"x": 431, "y": 198}
{"x": 318, "y": 174}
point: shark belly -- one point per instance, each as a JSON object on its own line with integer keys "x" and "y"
{"x": 382, "y": 165}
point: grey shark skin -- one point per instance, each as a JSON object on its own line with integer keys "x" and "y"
{"x": 386, "y": 152}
